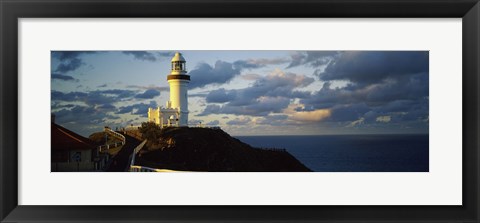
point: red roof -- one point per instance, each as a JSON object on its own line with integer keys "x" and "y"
{"x": 64, "y": 139}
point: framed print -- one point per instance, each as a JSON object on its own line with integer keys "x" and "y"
{"x": 239, "y": 111}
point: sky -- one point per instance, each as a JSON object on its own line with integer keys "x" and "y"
{"x": 248, "y": 92}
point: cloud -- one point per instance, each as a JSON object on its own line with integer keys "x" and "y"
{"x": 116, "y": 93}
{"x": 214, "y": 122}
{"x": 401, "y": 88}
{"x": 259, "y": 107}
{"x": 385, "y": 118}
{"x": 150, "y": 56}
{"x": 69, "y": 55}
{"x": 84, "y": 119}
{"x": 56, "y": 105}
{"x": 348, "y": 112}
{"x": 204, "y": 74}
{"x": 195, "y": 121}
{"x": 70, "y": 65}
{"x": 269, "y": 94}
{"x": 93, "y": 98}
{"x": 106, "y": 107}
{"x": 167, "y": 54}
{"x": 154, "y": 87}
{"x": 69, "y": 60}
{"x": 142, "y": 55}
{"x": 223, "y": 72}
{"x": 56, "y": 76}
{"x": 250, "y": 77}
{"x": 148, "y": 94}
{"x": 374, "y": 66}
{"x": 220, "y": 96}
{"x": 272, "y": 120}
{"x": 267, "y": 61}
{"x": 382, "y": 88}
{"x": 258, "y": 63}
{"x": 239, "y": 121}
{"x": 103, "y": 85}
{"x": 311, "y": 116}
{"x": 137, "y": 109}
{"x": 312, "y": 58}
{"x": 357, "y": 122}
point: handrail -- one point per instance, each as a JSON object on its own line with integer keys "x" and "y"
{"x": 115, "y": 134}
{"x": 108, "y": 146}
{"x": 149, "y": 169}
{"x": 136, "y": 150}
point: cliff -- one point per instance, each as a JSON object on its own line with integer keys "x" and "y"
{"x": 206, "y": 149}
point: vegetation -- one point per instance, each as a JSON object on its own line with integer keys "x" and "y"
{"x": 150, "y": 131}
{"x": 210, "y": 149}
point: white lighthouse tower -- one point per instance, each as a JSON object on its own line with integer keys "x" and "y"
{"x": 176, "y": 111}
{"x": 178, "y": 81}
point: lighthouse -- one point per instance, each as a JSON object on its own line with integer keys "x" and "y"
{"x": 178, "y": 81}
{"x": 176, "y": 111}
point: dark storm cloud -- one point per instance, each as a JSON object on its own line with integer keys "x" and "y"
{"x": 382, "y": 87}
{"x": 62, "y": 77}
{"x": 220, "y": 96}
{"x": 257, "y": 107}
{"x": 204, "y": 74}
{"x": 266, "y": 95}
{"x": 137, "y": 109}
{"x": 69, "y": 60}
{"x": 57, "y": 105}
{"x": 83, "y": 115}
{"x": 69, "y": 97}
{"x": 312, "y": 58}
{"x": 85, "y": 119}
{"x": 69, "y": 66}
{"x": 69, "y": 55}
{"x": 148, "y": 94}
{"x": 375, "y": 66}
{"x": 106, "y": 107}
{"x": 199, "y": 95}
{"x": 151, "y": 56}
{"x": 93, "y": 98}
{"x": 244, "y": 64}
{"x": 223, "y": 72}
{"x": 412, "y": 87}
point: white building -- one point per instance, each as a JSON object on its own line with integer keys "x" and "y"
{"x": 176, "y": 111}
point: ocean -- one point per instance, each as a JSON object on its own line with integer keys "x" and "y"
{"x": 352, "y": 153}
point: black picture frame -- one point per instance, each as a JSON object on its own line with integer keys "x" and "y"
{"x": 11, "y": 11}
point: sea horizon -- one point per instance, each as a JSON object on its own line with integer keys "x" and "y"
{"x": 352, "y": 134}
{"x": 352, "y": 153}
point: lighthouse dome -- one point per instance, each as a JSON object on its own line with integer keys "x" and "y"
{"x": 178, "y": 57}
